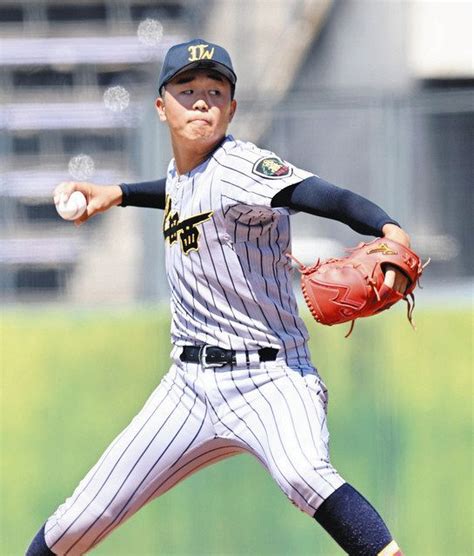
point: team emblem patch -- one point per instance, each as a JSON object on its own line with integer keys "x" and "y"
{"x": 271, "y": 167}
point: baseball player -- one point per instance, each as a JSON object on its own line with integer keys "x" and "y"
{"x": 241, "y": 378}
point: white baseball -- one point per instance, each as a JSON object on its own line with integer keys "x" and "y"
{"x": 73, "y": 208}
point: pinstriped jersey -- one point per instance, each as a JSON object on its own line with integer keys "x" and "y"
{"x": 229, "y": 275}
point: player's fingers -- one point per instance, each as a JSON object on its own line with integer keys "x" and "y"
{"x": 81, "y": 219}
{"x": 389, "y": 279}
{"x": 395, "y": 279}
{"x": 91, "y": 209}
{"x": 63, "y": 191}
{"x": 401, "y": 283}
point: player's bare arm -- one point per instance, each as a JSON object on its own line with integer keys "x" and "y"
{"x": 99, "y": 197}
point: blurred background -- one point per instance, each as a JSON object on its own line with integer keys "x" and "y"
{"x": 373, "y": 95}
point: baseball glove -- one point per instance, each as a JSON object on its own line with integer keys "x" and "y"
{"x": 352, "y": 287}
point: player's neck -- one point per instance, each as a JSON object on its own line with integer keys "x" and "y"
{"x": 188, "y": 157}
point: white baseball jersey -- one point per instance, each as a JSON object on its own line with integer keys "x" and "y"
{"x": 229, "y": 274}
{"x": 230, "y": 287}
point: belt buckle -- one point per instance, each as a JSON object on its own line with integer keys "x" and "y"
{"x": 204, "y": 363}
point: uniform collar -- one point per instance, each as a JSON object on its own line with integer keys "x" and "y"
{"x": 173, "y": 173}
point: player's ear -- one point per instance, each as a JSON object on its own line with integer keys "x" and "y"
{"x": 160, "y": 108}
{"x": 233, "y": 108}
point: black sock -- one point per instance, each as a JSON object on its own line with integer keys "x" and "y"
{"x": 353, "y": 523}
{"x": 38, "y": 546}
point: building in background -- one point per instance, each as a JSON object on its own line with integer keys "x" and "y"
{"x": 74, "y": 76}
{"x": 384, "y": 105}
{"x": 374, "y": 96}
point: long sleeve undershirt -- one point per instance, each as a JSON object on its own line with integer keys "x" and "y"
{"x": 321, "y": 198}
{"x": 313, "y": 196}
{"x": 148, "y": 194}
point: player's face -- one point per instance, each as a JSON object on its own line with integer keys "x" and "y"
{"x": 197, "y": 106}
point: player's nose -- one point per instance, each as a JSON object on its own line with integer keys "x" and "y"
{"x": 200, "y": 104}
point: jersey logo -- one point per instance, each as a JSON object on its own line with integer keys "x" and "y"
{"x": 382, "y": 248}
{"x": 186, "y": 230}
{"x": 271, "y": 167}
{"x": 200, "y": 52}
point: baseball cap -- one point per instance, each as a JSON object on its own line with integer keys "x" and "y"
{"x": 196, "y": 53}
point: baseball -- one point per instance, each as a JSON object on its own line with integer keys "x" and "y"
{"x": 73, "y": 208}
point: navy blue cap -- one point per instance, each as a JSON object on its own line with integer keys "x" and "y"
{"x": 197, "y": 53}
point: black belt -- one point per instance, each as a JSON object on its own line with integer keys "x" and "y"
{"x": 212, "y": 356}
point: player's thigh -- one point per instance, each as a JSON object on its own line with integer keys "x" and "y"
{"x": 171, "y": 423}
{"x": 196, "y": 458}
{"x": 290, "y": 421}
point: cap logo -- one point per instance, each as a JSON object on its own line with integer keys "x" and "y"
{"x": 200, "y": 52}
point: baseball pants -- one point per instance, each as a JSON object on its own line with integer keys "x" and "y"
{"x": 198, "y": 416}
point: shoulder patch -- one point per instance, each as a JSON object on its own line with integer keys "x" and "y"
{"x": 271, "y": 167}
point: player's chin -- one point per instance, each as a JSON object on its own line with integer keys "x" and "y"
{"x": 202, "y": 134}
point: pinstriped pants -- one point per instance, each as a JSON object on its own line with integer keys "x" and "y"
{"x": 196, "y": 417}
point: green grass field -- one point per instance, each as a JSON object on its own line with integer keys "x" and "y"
{"x": 400, "y": 417}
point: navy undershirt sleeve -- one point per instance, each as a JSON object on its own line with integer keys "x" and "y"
{"x": 148, "y": 194}
{"x": 313, "y": 195}
{"x": 321, "y": 198}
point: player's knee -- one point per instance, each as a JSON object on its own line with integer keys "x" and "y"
{"x": 38, "y": 546}
{"x": 79, "y": 534}
{"x": 307, "y": 485}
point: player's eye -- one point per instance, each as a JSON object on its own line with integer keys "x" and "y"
{"x": 215, "y": 92}
{"x": 187, "y": 92}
